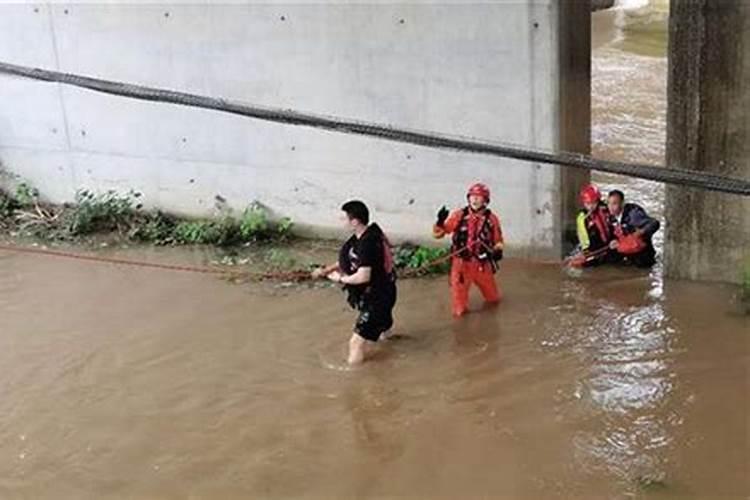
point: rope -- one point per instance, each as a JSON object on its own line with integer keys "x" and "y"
{"x": 287, "y": 276}
{"x": 690, "y": 178}
{"x": 587, "y": 255}
{"x": 416, "y": 271}
{"x": 292, "y": 275}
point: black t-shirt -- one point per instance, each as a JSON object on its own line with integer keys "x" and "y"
{"x": 370, "y": 250}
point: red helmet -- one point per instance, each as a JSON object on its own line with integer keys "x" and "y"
{"x": 479, "y": 189}
{"x": 590, "y": 194}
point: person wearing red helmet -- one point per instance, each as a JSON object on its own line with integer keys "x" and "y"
{"x": 593, "y": 227}
{"x": 477, "y": 247}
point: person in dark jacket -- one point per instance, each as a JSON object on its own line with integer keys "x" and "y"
{"x": 631, "y": 221}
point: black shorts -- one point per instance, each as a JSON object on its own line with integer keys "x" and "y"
{"x": 376, "y": 313}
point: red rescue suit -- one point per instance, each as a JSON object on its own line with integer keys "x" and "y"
{"x": 476, "y": 236}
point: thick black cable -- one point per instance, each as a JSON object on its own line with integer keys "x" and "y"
{"x": 691, "y": 178}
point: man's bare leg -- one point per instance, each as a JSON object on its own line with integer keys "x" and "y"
{"x": 357, "y": 348}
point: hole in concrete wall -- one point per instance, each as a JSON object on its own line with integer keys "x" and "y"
{"x": 294, "y": 148}
{"x": 65, "y": 12}
{"x": 536, "y": 25}
{"x": 283, "y": 18}
{"x": 411, "y": 201}
{"x": 408, "y": 157}
{"x": 83, "y": 133}
{"x": 192, "y": 181}
{"x": 36, "y": 10}
{"x": 538, "y": 212}
{"x": 54, "y": 130}
{"x": 166, "y": 14}
{"x": 401, "y": 21}
{"x": 184, "y": 139}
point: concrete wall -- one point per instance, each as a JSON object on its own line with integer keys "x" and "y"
{"x": 708, "y": 129}
{"x": 490, "y": 71}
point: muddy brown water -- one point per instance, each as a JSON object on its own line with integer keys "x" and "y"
{"x": 121, "y": 382}
{"x": 134, "y": 383}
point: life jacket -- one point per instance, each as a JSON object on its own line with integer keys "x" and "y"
{"x": 349, "y": 263}
{"x": 630, "y": 244}
{"x": 623, "y": 230}
{"x": 474, "y": 240}
{"x": 349, "y": 260}
{"x": 597, "y": 227}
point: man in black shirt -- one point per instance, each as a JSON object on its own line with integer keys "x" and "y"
{"x": 365, "y": 268}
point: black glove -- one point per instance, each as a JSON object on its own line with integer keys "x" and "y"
{"x": 497, "y": 255}
{"x": 442, "y": 216}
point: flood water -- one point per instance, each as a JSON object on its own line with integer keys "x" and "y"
{"x": 134, "y": 383}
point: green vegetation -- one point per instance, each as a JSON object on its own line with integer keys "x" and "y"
{"x": 24, "y": 195}
{"x": 8, "y": 205}
{"x": 157, "y": 228}
{"x": 103, "y": 213}
{"x": 122, "y": 216}
{"x": 416, "y": 257}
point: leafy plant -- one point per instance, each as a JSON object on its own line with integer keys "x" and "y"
{"x": 221, "y": 232}
{"x": 110, "y": 212}
{"x": 194, "y": 232}
{"x": 254, "y": 223}
{"x": 26, "y": 194}
{"x": 284, "y": 227}
{"x": 416, "y": 257}
{"x": 157, "y": 228}
{"x": 8, "y": 204}
{"x": 106, "y": 212}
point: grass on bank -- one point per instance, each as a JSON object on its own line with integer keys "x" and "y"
{"x": 110, "y": 213}
{"x": 121, "y": 217}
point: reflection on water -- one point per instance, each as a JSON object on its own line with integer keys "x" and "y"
{"x": 630, "y": 343}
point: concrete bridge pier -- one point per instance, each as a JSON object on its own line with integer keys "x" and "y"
{"x": 708, "y": 129}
